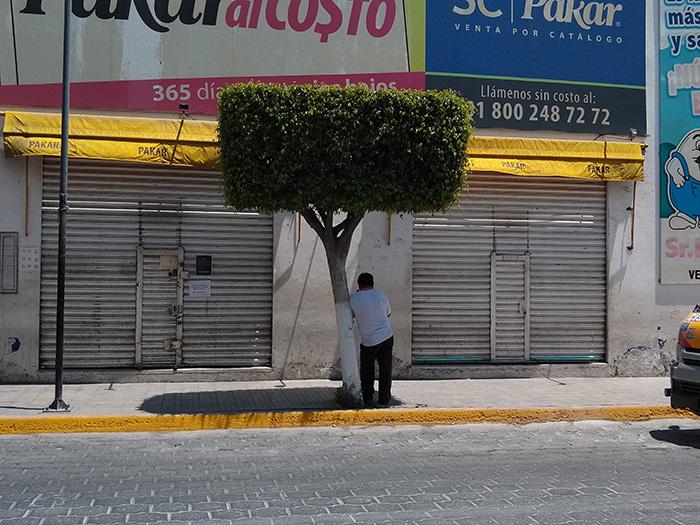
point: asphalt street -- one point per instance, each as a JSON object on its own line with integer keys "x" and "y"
{"x": 586, "y": 472}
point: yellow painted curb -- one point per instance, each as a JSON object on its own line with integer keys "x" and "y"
{"x": 67, "y": 423}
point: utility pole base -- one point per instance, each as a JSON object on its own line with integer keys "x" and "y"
{"x": 59, "y": 405}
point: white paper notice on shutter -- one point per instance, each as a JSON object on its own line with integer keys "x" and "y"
{"x": 200, "y": 288}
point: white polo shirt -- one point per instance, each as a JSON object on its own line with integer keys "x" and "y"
{"x": 371, "y": 308}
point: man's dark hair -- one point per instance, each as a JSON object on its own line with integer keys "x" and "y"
{"x": 365, "y": 280}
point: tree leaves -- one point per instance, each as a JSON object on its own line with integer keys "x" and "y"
{"x": 342, "y": 149}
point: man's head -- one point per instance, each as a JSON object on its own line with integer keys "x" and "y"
{"x": 365, "y": 281}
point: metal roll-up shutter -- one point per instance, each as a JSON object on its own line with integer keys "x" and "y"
{"x": 117, "y": 209}
{"x": 553, "y": 230}
{"x": 100, "y": 301}
{"x": 233, "y": 327}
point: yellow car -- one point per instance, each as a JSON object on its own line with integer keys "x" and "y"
{"x": 685, "y": 370}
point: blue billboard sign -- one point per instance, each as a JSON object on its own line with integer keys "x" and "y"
{"x": 566, "y": 65}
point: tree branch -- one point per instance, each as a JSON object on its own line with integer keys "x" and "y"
{"x": 313, "y": 220}
{"x": 353, "y": 220}
{"x": 338, "y": 228}
{"x": 327, "y": 218}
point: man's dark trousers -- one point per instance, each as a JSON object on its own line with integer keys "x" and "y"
{"x": 382, "y": 354}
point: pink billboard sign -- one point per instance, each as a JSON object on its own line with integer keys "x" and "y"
{"x": 166, "y": 95}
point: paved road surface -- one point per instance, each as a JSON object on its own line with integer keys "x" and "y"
{"x": 586, "y": 472}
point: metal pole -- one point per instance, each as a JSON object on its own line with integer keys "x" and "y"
{"x": 59, "y": 403}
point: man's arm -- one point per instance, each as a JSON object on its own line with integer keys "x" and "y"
{"x": 351, "y": 308}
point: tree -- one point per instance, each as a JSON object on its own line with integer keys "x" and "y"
{"x": 332, "y": 154}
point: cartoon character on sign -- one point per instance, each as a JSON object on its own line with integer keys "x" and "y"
{"x": 683, "y": 173}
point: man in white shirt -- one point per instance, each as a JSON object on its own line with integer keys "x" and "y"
{"x": 372, "y": 310}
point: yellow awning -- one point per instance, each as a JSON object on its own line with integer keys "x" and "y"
{"x": 149, "y": 140}
{"x": 194, "y": 143}
{"x": 580, "y": 159}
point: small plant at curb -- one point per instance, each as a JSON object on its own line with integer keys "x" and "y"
{"x": 333, "y": 154}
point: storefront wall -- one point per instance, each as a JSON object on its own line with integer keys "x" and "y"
{"x": 20, "y": 213}
{"x": 303, "y": 329}
{"x": 643, "y": 314}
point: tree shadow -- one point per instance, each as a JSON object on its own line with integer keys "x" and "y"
{"x": 272, "y": 399}
{"x": 243, "y": 400}
{"x": 676, "y": 436}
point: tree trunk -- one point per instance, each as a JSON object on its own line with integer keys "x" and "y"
{"x": 336, "y": 242}
{"x": 351, "y": 392}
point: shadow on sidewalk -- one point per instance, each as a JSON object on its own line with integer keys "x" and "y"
{"x": 9, "y": 407}
{"x": 231, "y": 401}
{"x": 676, "y": 436}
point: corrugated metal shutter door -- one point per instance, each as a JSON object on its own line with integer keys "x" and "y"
{"x": 158, "y": 324}
{"x": 510, "y": 322}
{"x": 100, "y": 304}
{"x": 560, "y": 223}
{"x": 115, "y": 208}
{"x": 234, "y": 325}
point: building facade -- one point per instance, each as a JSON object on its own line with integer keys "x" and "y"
{"x": 561, "y": 258}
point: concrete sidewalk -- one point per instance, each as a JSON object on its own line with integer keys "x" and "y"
{"x": 189, "y": 406}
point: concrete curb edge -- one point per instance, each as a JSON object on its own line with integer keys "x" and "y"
{"x": 341, "y": 418}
